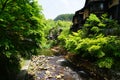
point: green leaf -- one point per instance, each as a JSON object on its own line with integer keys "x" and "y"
{"x": 105, "y": 62}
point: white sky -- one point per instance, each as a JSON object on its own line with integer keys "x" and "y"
{"x": 53, "y": 8}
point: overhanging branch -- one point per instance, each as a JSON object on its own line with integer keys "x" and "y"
{"x": 4, "y": 5}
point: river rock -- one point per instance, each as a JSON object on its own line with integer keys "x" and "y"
{"x": 52, "y": 68}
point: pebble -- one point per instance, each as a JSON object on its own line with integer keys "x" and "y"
{"x": 49, "y": 68}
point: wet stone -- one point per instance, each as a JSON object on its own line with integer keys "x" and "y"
{"x": 53, "y": 68}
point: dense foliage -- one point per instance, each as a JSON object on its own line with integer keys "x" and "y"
{"x": 23, "y": 30}
{"x": 21, "y": 24}
{"x": 64, "y": 17}
{"x": 98, "y": 41}
{"x": 53, "y": 29}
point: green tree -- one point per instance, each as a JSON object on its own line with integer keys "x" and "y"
{"x": 53, "y": 29}
{"x": 21, "y": 24}
{"x": 64, "y": 17}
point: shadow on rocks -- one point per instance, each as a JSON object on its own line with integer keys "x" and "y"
{"x": 29, "y": 77}
{"x": 85, "y": 75}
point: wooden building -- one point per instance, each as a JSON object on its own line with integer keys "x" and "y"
{"x": 114, "y": 9}
{"x": 98, "y": 7}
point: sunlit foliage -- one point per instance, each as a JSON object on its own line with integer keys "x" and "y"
{"x": 98, "y": 41}
{"x": 21, "y": 33}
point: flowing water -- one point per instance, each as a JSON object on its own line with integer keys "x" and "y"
{"x": 55, "y": 68}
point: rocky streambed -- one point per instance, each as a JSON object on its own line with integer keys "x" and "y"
{"x": 54, "y": 68}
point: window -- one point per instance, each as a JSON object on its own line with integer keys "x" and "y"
{"x": 111, "y": 17}
{"x": 97, "y": 7}
{"x": 101, "y": 6}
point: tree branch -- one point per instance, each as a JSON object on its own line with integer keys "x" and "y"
{"x": 4, "y": 5}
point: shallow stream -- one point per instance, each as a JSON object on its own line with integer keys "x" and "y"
{"x": 55, "y": 68}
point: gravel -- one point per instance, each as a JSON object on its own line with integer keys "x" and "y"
{"x": 53, "y": 68}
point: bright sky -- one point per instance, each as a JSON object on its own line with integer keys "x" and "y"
{"x": 53, "y": 8}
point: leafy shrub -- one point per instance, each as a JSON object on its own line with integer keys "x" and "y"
{"x": 58, "y": 28}
{"x": 97, "y": 42}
